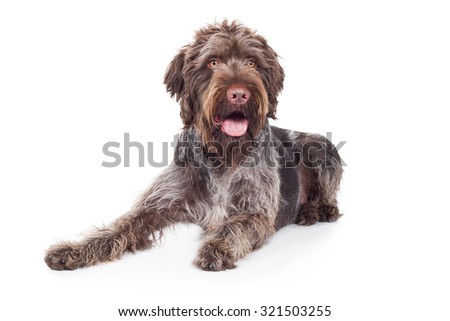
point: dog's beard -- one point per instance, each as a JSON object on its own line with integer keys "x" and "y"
{"x": 229, "y": 130}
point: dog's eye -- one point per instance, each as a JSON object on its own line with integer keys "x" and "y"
{"x": 251, "y": 63}
{"x": 213, "y": 63}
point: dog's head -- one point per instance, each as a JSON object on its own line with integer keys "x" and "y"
{"x": 226, "y": 81}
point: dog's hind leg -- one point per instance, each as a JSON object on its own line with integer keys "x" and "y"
{"x": 320, "y": 172}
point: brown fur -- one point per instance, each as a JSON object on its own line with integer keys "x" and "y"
{"x": 240, "y": 190}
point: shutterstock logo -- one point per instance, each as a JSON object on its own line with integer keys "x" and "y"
{"x": 144, "y": 152}
{"x": 120, "y": 154}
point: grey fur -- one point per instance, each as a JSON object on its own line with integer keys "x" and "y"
{"x": 239, "y": 196}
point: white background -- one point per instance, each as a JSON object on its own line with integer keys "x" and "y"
{"x": 75, "y": 75}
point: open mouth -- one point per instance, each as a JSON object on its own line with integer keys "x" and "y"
{"x": 234, "y": 125}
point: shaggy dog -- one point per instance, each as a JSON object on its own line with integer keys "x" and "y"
{"x": 233, "y": 174}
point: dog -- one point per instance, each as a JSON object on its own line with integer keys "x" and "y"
{"x": 233, "y": 174}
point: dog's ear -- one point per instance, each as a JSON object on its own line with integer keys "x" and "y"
{"x": 275, "y": 79}
{"x": 173, "y": 78}
{"x": 175, "y": 85}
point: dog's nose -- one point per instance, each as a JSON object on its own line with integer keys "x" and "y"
{"x": 238, "y": 94}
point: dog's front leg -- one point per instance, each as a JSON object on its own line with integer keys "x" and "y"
{"x": 233, "y": 239}
{"x": 136, "y": 230}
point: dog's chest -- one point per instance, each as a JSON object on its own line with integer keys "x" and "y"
{"x": 244, "y": 190}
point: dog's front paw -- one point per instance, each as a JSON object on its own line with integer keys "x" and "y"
{"x": 214, "y": 258}
{"x": 63, "y": 257}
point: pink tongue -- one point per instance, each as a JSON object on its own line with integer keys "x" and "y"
{"x": 235, "y": 127}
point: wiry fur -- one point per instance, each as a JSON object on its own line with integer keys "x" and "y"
{"x": 239, "y": 195}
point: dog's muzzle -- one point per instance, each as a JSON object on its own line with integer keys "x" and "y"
{"x": 235, "y": 124}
